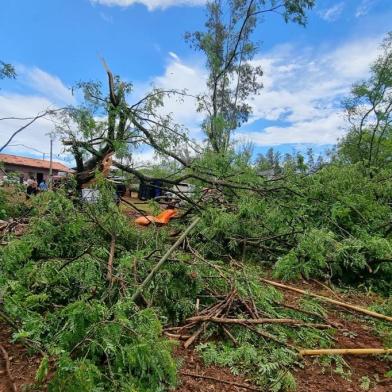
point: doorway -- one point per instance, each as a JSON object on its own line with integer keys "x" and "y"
{"x": 40, "y": 177}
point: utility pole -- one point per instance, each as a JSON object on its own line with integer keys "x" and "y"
{"x": 50, "y": 164}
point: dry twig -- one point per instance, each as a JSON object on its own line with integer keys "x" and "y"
{"x": 293, "y": 322}
{"x": 237, "y": 384}
{"x": 8, "y": 368}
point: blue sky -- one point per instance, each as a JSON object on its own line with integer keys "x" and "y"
{"x": 307, "y": 71}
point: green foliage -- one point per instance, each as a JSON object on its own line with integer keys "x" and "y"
{"x": 339, "y": 365}
{"x": 7, "y": 71}
{"x": 74, "y": 376}
{"x": 333, "y": 224}
{"x": 266, "y": 368}
{"x": 369, "y": 140}
{"x": 382, "y": 328}
{"x": 53, "y": 282}
{"x": 365, "y": 383}
{"x": 42, "y": 370}
{"x": 175, "y": 290}
{"x": 12, "y": 208}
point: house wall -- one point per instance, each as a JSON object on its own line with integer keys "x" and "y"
{"x": 26, "y": 171}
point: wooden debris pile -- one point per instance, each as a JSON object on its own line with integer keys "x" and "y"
{"x": 230, "y": 311}
{"x": 16, "y": 226}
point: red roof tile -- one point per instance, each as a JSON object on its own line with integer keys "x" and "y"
{"x": 31, "y": 162}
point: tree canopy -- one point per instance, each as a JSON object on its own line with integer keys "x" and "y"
{"x": 369, "y": 110}
{"x": 229, "y": 47}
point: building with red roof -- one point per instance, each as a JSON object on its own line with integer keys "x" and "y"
{"x": 29, "y": 167}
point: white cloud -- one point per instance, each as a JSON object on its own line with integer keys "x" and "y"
{"x": 301, "y": 96}
{"x": 364, "y": 7}
{"x": 35, "y": 138}
{"x": 174, "y": 56}
{"x": 46, "y": 84}
{"x": 352, "y": 59}
{"x": 107, "y": 18}
{"x": 333, "y": 13}
{"x": 150, "y": 4}
{"x": 179, "y": 75}
{"x": 45, "y": 91}
{"x": 324, "y": 130}
{"x": 304, "y": 88}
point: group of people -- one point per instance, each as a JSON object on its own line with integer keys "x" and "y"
{"x": 33, "y": 187}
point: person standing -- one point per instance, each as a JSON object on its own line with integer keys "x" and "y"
{"x": 43, "y": 186}
{"x": 31, "y": 187}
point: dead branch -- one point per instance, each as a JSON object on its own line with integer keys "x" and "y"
{"x": 332, "y": 301}
{"x": 269, "y": 336}
{"x": 32, "y": 120}
{"x": 76, "y": 257}
{"x": 231, "y": 337}
{"x": 8, "y": 368}
{"x": 213, "y": 311}
{"x": 326, "y": 287}
{"x": 313, "y": 314}
{"x": 221, "y": 320}
{"x": 110, "y": 260}
{"x": 192, "y": 338}
{"x": 251, "y": 312}
{"x": 237, "y": 384}
{"x": 346, "y": 351}
{"x": 176, "y": 336}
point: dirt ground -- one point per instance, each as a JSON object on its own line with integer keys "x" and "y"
{"x": 22, "y": 365}
{"x": 314, "y": 377}
{"x": 311, "y": 378}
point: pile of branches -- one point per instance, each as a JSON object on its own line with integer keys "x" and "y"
{"x": 225, "y": 313}
{"x": 16, "y": 226}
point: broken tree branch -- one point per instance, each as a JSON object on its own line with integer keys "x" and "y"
{"x": 347, "y": 351}
{"x": 332, "y": 301}
{"x": 192, "y": 338}
{"x": 110, "y": 260}
{"x": 221, "y": 320}
{"x": 146, "y": 281}
{"x": 237, "y": 384}
{"x": 32, "y": 120}
{"x": 267, "y": 335}
{"x": 76, "y": 257}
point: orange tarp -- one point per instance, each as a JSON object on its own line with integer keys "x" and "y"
{"x": 163, "y": 218}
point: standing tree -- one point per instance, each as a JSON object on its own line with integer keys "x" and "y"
{"x": 228, "y": 47}
{"x": 369, "y": 112}
{"x": 7, "y": 71}
{"x": 108, "y": 127}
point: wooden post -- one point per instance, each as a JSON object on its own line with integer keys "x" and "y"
{"x": 51, "y": 164}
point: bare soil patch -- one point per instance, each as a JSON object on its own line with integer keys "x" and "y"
{"x": 22, "y": 365}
